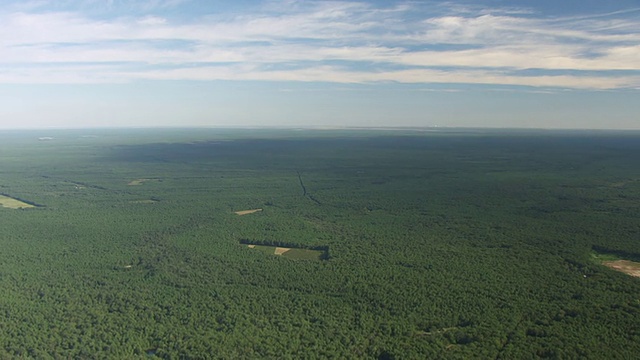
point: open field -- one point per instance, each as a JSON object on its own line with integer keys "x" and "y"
{"x": 11, "y": 203}
{"x": 280, "y": 250}
{"x": 617, "y": 262}
{"x": 625, "y": 266}
{"x": 455, "y": 244}
{"x": 303, "y": 254}
{"x": 246, "y": 212}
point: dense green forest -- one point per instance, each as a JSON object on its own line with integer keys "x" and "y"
{"x": 436, "y": 244}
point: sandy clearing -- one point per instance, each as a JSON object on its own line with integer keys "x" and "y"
{"x": 281, "y": 250}
{"x": 136, "y": 182}
{"x": 251, "y": 246}
{"x": 12, "y": 203}
{"x": 245, "y": 212}
{"x": 625, "y": 266}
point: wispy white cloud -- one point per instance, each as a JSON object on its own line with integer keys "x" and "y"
{"x": 342, "y": 42}
{"x": 413, "y": 76}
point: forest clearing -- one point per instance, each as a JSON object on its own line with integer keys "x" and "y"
{"x": 290, "y": 253}
{"x": 247, "y": 212}
{"x": 138, "y": 182}
{"x": 626, "y": 266}
{"x": 281, "y": 250}
{"x": 12, "y": 203}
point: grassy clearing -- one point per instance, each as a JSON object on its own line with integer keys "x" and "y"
{"x": 11, "y": 203}
{"x": 246, "y": 212}
{"x": 303, "y": 254}
{"x": 265, "y": 249}
{"x": 138, "y": 182}
{"x": 602, "y": 258}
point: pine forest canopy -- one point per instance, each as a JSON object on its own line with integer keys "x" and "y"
{"x": 406, "y": 244}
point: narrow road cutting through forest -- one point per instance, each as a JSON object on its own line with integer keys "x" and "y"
{"x": 304, "y": 190}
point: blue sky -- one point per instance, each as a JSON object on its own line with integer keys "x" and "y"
{"x": 491, "y": 63}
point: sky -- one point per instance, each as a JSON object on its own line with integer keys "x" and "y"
{"x": 325, "y": 64}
